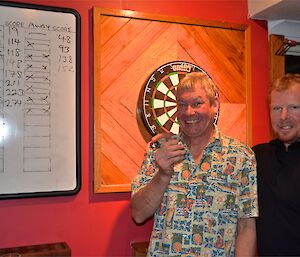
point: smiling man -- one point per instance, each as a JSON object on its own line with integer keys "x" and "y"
{"x": 278, "y": 169}
{"x": 200, "y": 185}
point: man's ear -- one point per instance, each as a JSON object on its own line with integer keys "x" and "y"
{"x": 216, "y": 105}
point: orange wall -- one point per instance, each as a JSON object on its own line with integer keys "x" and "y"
{"x": 100, "y": 225}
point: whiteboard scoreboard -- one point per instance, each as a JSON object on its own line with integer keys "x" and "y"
{"x": 39, "y": 97}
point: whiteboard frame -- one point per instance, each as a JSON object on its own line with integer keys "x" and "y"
{"x": 77, "y": 173}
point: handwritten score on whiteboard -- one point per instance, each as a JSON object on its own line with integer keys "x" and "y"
{"x": 38, "y": 92}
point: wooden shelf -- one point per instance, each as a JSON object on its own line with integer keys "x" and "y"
{"x": 139, "y": 249}
{"x": 42, "y": 250}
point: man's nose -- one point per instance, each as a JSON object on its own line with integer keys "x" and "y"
{"x": 190, "y": 110}
{"x": 284, "y": 113}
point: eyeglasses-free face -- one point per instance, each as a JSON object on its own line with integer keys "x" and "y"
{"x": 285, "y": 113}
{"x": 195, "y": 113}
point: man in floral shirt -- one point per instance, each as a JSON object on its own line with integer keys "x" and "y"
{"x": 200, "y": 184}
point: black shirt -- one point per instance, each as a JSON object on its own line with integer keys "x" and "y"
{"x": 278, "y": 225}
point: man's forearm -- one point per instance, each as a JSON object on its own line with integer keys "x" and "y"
{"x": 147, "y": 200}
{"x": 246, "y": 238}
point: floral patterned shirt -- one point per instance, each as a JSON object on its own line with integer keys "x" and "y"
{"x": 200, "y": 209}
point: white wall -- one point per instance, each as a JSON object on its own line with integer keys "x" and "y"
{"x": 256, "y": 6}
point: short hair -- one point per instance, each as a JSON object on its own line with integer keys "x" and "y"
{"x": 284, "y": 83}
{"x": 193, "y": 79}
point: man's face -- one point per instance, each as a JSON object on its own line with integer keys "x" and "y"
{"x": 195, "y": 113}
{"x": 285, "y": 113}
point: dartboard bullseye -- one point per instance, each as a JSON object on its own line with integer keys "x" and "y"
{"x": 157, "y": 100}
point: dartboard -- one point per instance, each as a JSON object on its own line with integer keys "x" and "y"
{"x": 157, "y": 101}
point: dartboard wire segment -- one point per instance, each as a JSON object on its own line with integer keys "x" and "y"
{"x": 162, "y": 109}
{"x": 167, "y": 105}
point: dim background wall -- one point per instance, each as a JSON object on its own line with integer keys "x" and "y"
{"x": 101, "y": 225}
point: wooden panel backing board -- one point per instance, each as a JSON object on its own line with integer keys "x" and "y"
{"x": 128, "y": 47}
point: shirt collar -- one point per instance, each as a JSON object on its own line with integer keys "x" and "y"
{"x": 280, "y": 145}
{"x": 215, "y": 142}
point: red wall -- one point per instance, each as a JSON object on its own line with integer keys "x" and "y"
{"x": 100, "y": 225}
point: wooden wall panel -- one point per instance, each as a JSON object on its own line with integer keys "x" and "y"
{"x": 276, "y": 62}
{"x": 128, "y": 47}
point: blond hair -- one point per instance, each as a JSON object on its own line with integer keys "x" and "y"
{"x": 284, "y": 82}
{"x": 196, "y": 79}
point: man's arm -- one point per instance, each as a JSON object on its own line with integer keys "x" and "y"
{"x": 147, "y": 200}
{"x": 246, "y": 238}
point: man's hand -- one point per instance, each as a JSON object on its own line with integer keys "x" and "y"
{"x": 169, "y": 153}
